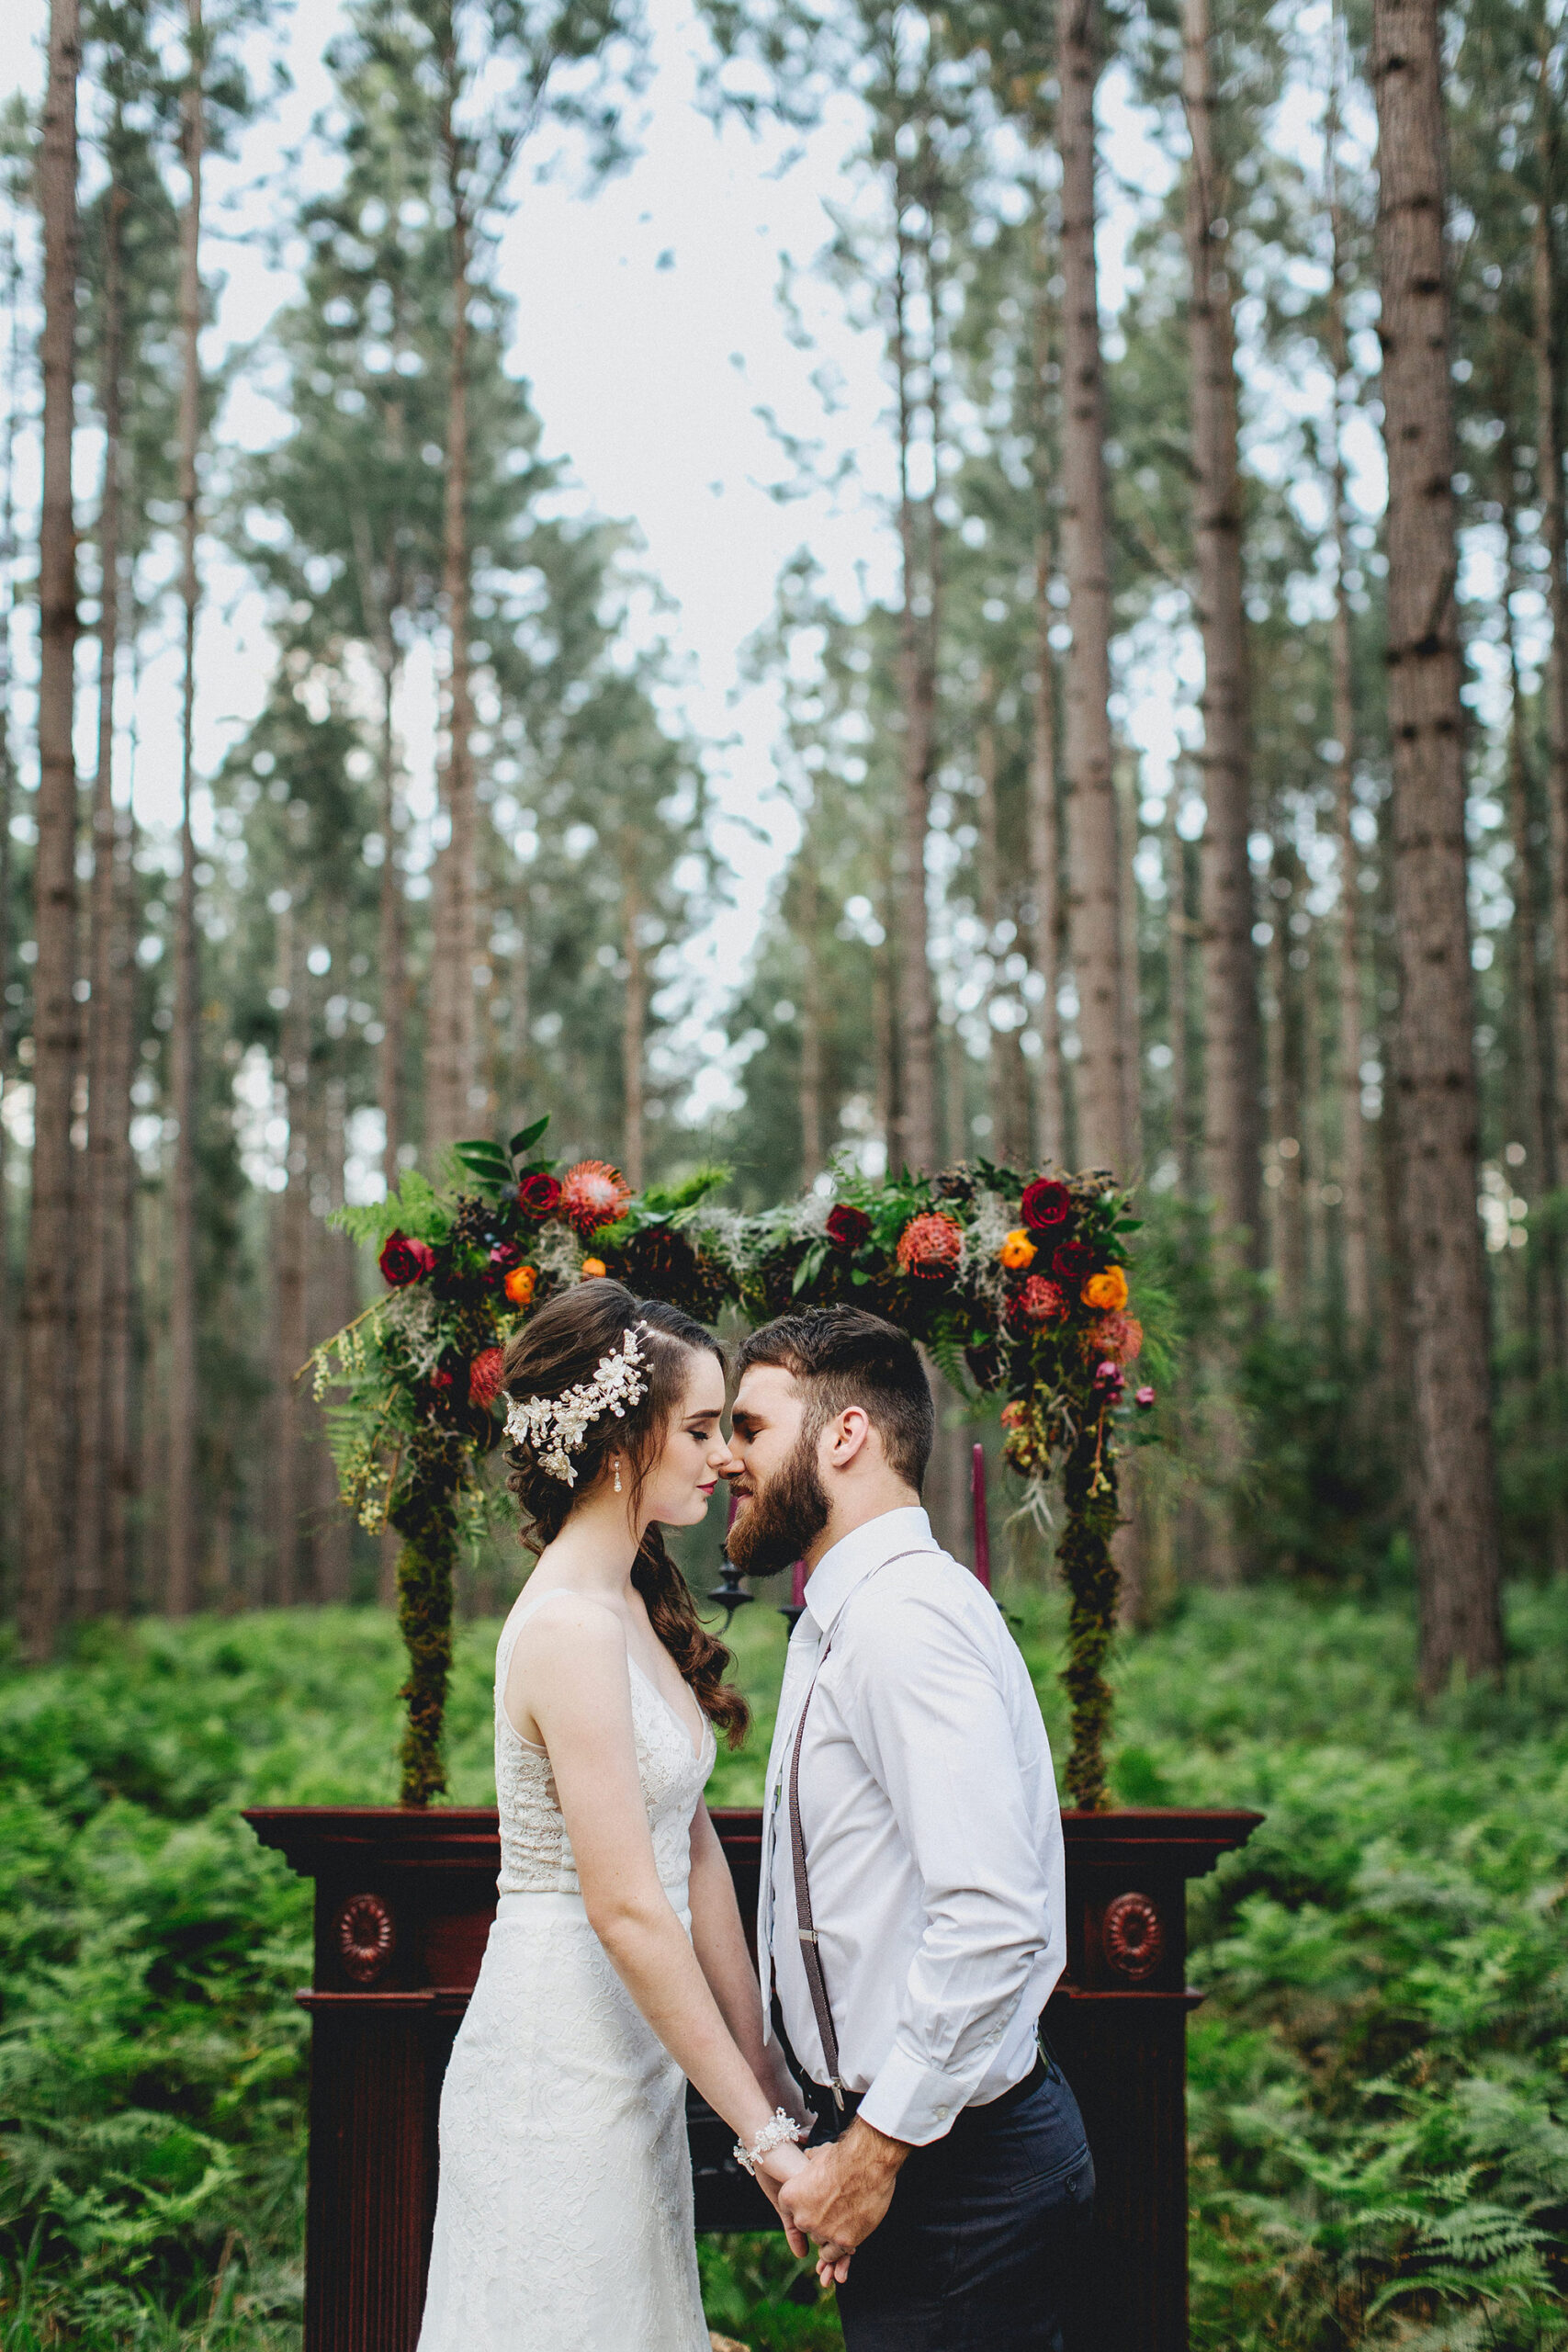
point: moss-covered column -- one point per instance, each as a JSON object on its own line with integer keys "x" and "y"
{"x": 1090, "y": 1513}
{"x": 428, "y": 1525}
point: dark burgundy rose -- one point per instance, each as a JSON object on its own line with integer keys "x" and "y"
{"x": 1072, "y": 1260}
{"x": 404, "y": 1261}
{"x": 847, "y": 1228}
{"x": 1045, "y": 1205}
{"x": 537, "y": 1197}
{"x": 505, "y": 1254}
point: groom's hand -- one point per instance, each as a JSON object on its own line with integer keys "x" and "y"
{"x": 841, "y": 2195}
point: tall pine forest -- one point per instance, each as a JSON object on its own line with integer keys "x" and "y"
{"x": 1193, "y": 803}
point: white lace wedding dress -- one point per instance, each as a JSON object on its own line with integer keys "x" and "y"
{"x": 563, "y": 2222}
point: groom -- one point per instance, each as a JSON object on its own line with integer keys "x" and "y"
{"x": 912, "y": 1918}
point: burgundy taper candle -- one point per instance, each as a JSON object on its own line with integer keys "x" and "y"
{"x": 982, "y": 1528}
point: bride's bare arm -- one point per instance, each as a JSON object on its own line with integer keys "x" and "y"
{"x": 574, "y": 1684}
{"x": 719, "y": 1942}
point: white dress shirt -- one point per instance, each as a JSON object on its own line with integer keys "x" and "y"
{"x": 933, "y": 1837}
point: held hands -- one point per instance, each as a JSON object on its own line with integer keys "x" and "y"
{"x": 776, "y": 2172}
{"x": 838, "y": 2195}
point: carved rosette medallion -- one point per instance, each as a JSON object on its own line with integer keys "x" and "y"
{"x": 1133, "y": 1936}
{"x": 365, "y": 1937}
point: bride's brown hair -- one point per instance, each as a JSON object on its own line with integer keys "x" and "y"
{"x": 561, "y": 1348}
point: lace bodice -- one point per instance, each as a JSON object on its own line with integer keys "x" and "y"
{"x": 536, "y": 1852}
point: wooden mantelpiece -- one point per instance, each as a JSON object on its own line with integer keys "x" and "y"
{"x": 403, "y": 1906}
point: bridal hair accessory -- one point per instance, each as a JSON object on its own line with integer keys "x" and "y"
{"x": 779, "y": 2127}
{"x": 555, "y": 1427}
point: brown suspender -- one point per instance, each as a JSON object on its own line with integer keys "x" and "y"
{"x": 811, "y": 1958}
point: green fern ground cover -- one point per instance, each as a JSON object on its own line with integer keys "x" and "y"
{"x": 1378, "y": 2103}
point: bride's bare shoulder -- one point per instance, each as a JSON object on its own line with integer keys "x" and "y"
{"x": 563, "y": 1618}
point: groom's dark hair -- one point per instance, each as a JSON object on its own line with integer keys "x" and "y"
{"x": 841, "y": 1356}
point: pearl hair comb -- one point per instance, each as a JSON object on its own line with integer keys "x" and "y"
{"x": 556, "y": 1427}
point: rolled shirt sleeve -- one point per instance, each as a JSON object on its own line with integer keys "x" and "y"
{"x": 932, "y": 1724}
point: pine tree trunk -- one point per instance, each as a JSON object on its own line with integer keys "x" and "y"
{"x": 1231, "y": 1047}
{"x": 48, "y": 1351}
{"x": 1456, "y": 1499}
{"x": 331, "y": 1304}
{"x": 1100, "y": 1080}
{"x": 1050, "y": 1138}
{"x": 914, "y": 1143}
{"x": 810, "y": 916}
{"x": 182, "y": 1536}
{"x": 1355, "y": 1213}
{"x": 293, "y": 1265}
{"x": 10, "y": 1416}
{"x": 634, "y": 1042}
{"x": 102, "y": 1023}
{"x": 1177, "y": 991}
{"x": 1285, "y": 1100}
{"x": 1549, "y": 470}
{"x": 449, "y": 1051}
{"x": 117, "y": 1339}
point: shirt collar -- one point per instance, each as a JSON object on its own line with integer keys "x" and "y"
{"x": 853, "y": 1558}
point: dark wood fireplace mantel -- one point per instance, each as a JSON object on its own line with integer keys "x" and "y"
{"x": 404, "y": 1901}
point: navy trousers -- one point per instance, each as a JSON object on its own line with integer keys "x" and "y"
{"x": 982, "y": 2246}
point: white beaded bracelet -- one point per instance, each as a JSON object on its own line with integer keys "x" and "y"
{"x": 779, "y": 2127}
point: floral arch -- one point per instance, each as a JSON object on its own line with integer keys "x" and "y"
{"x": 1017, "y": 1284}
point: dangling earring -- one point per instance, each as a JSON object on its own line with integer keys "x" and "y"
{"x": 617, "y": 1474}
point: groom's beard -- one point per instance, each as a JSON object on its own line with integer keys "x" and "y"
{"x": 783, "y": 1516}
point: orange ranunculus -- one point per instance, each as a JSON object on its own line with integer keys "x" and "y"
{"x": 1107, "y": 1291}
{"x": 592, "y": 1267}
{"x": 519, "y": 1284}
{"x": 1017, "y": 1251}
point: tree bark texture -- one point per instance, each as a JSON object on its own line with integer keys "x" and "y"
{"x": 1044, "y": 880}
{"x": 809, "y": 919}
{"x": 1455, "y": 1488}
{"x": 450, "y": 1049}
{"x": 1094, "y": 856}
{"x": 10, "y": 1416}
{"x": 915, "y": 1117}
{"x": 108, "y": 1095}
{"x": 292, "y": 1270}
{"x": 1231, "y": 1045}
{"x": 1549, "y": 470}
{"x": 1354, "y": 1216}
{"x": 182, "y": 1526}
{"x": 49, "y": 1349}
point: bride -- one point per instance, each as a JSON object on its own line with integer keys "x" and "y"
{"x": 617, "y": 1966}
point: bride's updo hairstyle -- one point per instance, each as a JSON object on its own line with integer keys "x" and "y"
{"x": 561, "y": 1347}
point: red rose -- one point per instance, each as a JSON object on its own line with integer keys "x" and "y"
{"x": 1071, "y": 1260}
{"x": 1046, "y": 1205}
{"x": 538, "y": 1196}
{"x": 1037, "y": 1304}
{"x": 404, "y": 1261}
{"x": 847, "y": 1228}
{"x": 484, "y": 1376}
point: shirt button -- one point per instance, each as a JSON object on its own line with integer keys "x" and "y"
{"x": 942, "y": 2115}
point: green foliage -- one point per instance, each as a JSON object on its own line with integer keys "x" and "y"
{"x": 1378, "y": 2112}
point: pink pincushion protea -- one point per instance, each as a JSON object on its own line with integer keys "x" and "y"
{"x": 592, "y": 1194}
{"x": 1119, "y": 1337}
{"x": 930, "y": 1247}
{"x": 484, "y": 1376}
{"x": 1037, "y": 1303}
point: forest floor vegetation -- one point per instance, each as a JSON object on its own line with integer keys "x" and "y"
{"x": 1379, "y": 2080}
